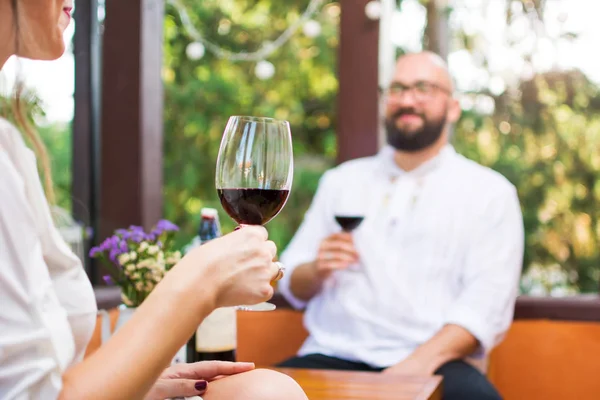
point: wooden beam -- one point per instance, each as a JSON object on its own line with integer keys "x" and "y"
{"x": 357, "y": 120}
{"x": 132, "y": 115}
{"x": 86, "y": 119}
{"x": 437, "y": 31}
{"x": 572, "y": 308}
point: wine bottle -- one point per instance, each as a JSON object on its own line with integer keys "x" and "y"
{"x": 216, "y": 337}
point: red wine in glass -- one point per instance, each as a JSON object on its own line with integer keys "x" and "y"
{"x": 254, "y": 172}
{"x": 348, "y": 223}
{"x": 253, "y": 206}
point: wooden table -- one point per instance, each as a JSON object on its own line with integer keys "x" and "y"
{"x": 344, "y": 385}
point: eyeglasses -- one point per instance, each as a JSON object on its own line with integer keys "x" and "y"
{"x": 421, "y": 90}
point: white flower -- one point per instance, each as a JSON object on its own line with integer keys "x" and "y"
{"x": 130, "y": 268}
{"x": 160, "y": 256}
{"x": 159, "y": 265}
{"x": 144, "y": 264}
{"x": 139, "y": 286}
{"x": 149, "y": 286}
{"x": 150, "y": 265}
{"x": 123, "y": 258}
{"x": 133, "y": 256}
{"x": 173, "y": 260}
{"x": 153, "y": 250}
{"x": 148, "y": 275}
{"x": 176, "y": 256}
{"x": 143, "y": 246}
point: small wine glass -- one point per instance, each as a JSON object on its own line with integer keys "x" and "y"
{"x": 349, "y": 214}
{"x": 254, "y": 173}
{"x": 348, "y": 223}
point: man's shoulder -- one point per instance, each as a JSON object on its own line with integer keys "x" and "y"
{"x": 355, "y": 166}
{"x": 482, "y": 177}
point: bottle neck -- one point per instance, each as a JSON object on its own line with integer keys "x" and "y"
{"x": 209, "y": 229}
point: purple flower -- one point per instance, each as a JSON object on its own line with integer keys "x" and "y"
{"x": 137, "y": 236}
{"x": 105, "y": 245}
{"x": 114, "y": 253}
{"x": 135, "y": 228}
{"x": 108, "y": 280}
{"x": 123, "y": 246}
{"x": 112, "y": 242}
{"x": 166, "y": 226}
{"x": 122, "y": 232}
{"x": 94, "y": 251}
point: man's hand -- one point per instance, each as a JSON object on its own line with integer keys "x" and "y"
{"x": 336, "y": 252}
{"x": 452, "y": 342}
{"x": 413, "y": 365}
{"x": 187, "y": 380}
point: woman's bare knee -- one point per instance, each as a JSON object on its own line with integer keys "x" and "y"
{"x": 259, "y": 384}
{"x": 272, "y": 385}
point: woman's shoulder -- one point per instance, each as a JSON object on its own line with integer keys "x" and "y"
{"x": 10, "y": 138}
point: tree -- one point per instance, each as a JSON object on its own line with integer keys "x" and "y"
{"x": 201, "y": 94}
{"x": 541, "y": 133}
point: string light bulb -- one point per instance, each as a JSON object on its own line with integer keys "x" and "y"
{"x": 264, "y": 70}
{"x": 311, "y": 28}
{"x": 195, "y": 51}
{"x": 373, "y": 10}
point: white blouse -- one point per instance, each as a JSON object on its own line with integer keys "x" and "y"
{"x": 442, "y": 244}
{"x": 47, "y": 305}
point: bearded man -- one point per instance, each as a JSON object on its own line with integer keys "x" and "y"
{"x": 426, "y": 284}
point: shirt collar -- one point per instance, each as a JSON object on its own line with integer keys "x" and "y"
{"x": 390, "y": 168}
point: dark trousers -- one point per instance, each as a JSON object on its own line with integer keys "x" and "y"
{"x": 461, "y": 380}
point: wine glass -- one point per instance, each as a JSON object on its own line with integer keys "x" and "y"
{"x": 348, "y": 223}
{"x": 349, "y": 214}
{"x": 254, "y": 172}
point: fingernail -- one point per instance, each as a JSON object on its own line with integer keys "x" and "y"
{"x": 201, "y": 386}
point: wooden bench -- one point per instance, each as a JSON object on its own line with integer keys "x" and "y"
{"x": 539, "y": 358}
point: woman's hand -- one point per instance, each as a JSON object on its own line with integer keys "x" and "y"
{"x": 187, "y": 380}
{"x": 239, "y": 266}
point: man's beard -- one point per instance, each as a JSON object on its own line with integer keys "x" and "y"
{"x": 413, "y": 141}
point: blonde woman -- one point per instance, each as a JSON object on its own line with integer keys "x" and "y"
{"x": 47, "y": 305}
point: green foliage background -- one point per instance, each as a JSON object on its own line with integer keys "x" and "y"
{"x": 202, "y": 94}
{"x": 543, "y": 135}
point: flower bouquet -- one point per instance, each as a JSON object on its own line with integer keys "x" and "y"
{"x": 137, "y": 260}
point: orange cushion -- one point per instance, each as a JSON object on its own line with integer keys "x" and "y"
{"x": 548, "y": 360}
{"x": 96, "y": 340}
{"x": 267, "y": 338}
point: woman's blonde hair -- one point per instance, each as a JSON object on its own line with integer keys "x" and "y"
{"x": 23, "y": 122}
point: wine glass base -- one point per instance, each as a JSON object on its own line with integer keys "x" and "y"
{"x": 257, "y": 307}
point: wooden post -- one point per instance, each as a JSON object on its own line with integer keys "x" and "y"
{"x": 132, "y": 115}
{"x": 357, "y": 126}
{"x": 437, "y": 30}
{"x": 86, "y": 119}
